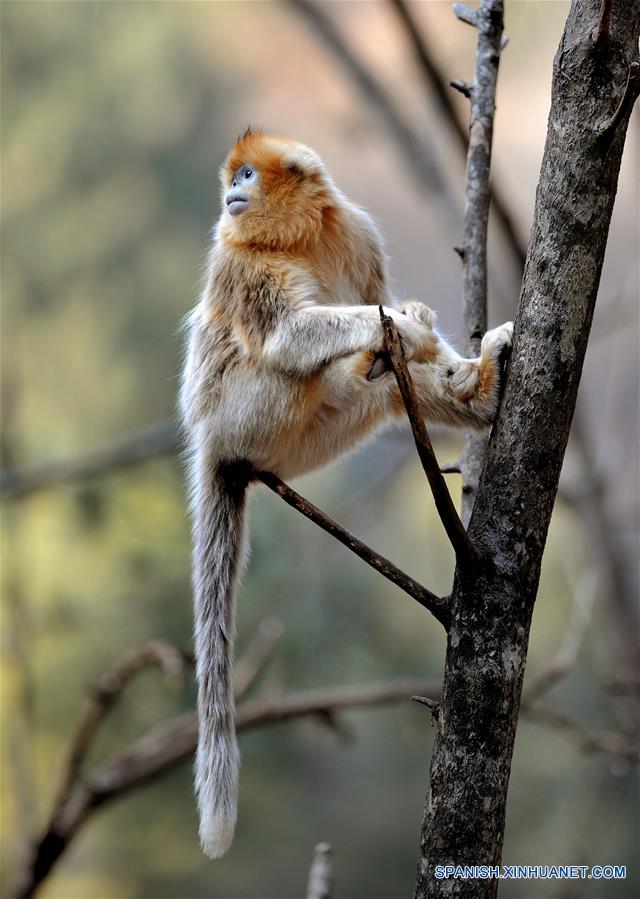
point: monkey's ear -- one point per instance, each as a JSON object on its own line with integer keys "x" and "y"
{"x": 294, "y": 169}
{"x": 301, "y": 161}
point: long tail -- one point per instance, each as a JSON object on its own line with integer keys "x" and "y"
{"x": 219, "y": 551}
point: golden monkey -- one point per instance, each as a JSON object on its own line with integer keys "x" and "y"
{"x": 282, "y": 374}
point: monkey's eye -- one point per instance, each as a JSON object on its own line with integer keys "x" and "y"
{"x": 248, "y": 173}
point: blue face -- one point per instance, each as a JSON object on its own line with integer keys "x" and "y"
{"x": 244, "y": 175}
{"x": 238, "y": 197}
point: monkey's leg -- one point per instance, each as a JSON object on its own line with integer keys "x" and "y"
{"x": 347, "y": 407}
{"x": 450, "y": 389}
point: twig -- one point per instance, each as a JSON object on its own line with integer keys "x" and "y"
{"x": 321, "y": 873}
{"x": 464, "y": 88}
{"x": 488, "y": 21}
{"x": 465, "y": 552}
{"x": 105, "y": 693}
{"x": 431, "y": 704}
{"x": 437, "y": 605}
{"x": 622, "y": 686}
{"x": 599, "y": 522}
{"x": 466, "y": 15}
{"x": 437, "y": 85}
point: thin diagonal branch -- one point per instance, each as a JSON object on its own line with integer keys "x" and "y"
{"x": 465, "y": 552}
{"x": 435, "y": 604}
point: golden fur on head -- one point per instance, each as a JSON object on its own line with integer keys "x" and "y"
{"x": 292, "y": 195}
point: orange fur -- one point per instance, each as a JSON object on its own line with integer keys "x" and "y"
{"x": 287, "y": 210}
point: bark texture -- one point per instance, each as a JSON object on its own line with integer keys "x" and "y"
{"x": 595, "y": 82}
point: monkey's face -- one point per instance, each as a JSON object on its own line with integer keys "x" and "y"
{"x": 274, "y": 192}
{"x": 242, "y": 190}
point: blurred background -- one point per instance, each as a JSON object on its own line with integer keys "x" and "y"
{"x": 115, "y": 118}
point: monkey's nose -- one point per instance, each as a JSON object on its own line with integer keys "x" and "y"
{"x": 236, "y": 200}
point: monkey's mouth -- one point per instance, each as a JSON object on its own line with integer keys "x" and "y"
{"x": 236, "y": 201}
{"x": 236, "y": 206}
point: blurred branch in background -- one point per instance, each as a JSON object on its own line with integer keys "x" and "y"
{"x": 158, "y": 439}
{"x": 173, "y": 741}
{"x": 613, "y": 743}
{"x": 586, "y": 490}
{"x": 102, "y": 698}
{"x": 439, "y": 90}
{"x": 419, "y": 156}
{"x": 257, "y": 655}
{"x": 584, "y": 594}
{"x": 170, "y": 743}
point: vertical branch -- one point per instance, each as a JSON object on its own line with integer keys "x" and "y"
{"x": 488, "y": 21}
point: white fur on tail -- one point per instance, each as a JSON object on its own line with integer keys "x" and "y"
{"x": 218, "y": 498}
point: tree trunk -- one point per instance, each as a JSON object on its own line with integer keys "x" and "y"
{"x": 596, "y": 78}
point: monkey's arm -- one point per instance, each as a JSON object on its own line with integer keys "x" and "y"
{"x": 309, "y": 338}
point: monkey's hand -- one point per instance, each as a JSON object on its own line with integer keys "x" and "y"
{"x": 418, "y": 311}
{"x": 415, "y": 325}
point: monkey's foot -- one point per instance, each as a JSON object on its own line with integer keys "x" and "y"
{"x": 497, "y": 340}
